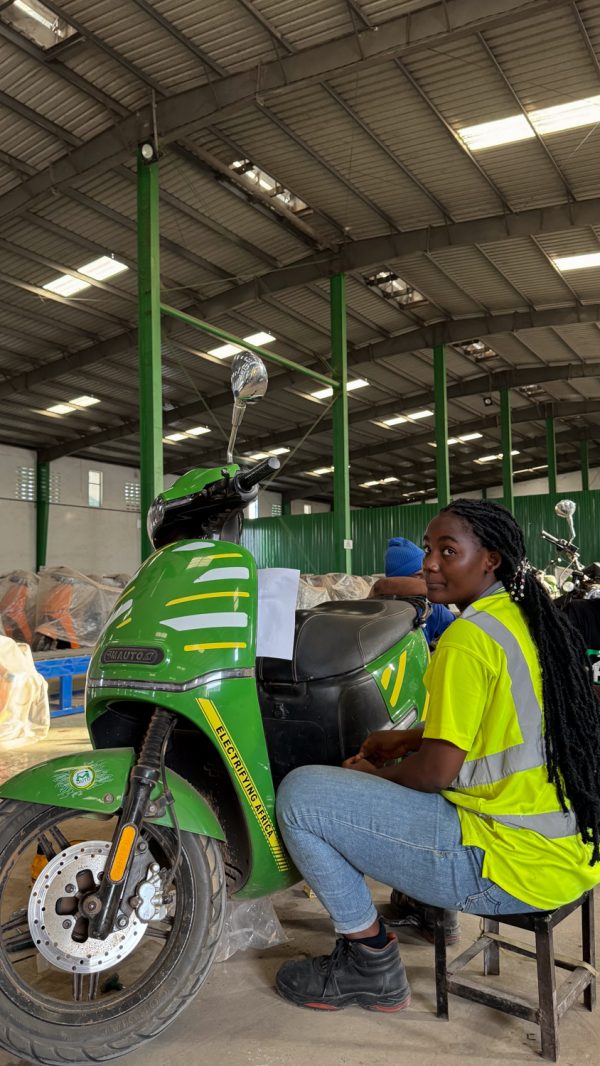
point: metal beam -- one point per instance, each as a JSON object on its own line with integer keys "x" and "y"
{"x": 342, "y": 532}
{"x": 442, "y": 466}
{"x": 551, "y": 452}
{"x": 151, "y": 447}
{"x": 584, "y": 456}
{"x": 404, "y": 35}
{"x": 506, "y": 439}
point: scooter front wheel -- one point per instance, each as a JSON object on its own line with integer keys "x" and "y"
{"x": 65, "y": 997}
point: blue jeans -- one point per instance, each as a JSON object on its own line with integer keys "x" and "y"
{"x": 340, "y": 825}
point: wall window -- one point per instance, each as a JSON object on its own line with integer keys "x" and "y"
{"x": 275, "y": 510}
{"x": 94, "y": 488}
{"x": 307, "y": 508}
{"x": 252, "y": 509}
{"x": 25, "y": 486}
{"x": 131, "y": 491}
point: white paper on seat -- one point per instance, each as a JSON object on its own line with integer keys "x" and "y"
{"x": 277, "y": 594}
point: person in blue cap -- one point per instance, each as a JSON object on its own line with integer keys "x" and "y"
{"x": 403, "y": 567}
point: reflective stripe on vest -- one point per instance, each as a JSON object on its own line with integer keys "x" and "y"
{"x": 525, "y": 756}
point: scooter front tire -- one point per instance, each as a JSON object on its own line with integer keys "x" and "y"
{"x": 40, "y": 1021}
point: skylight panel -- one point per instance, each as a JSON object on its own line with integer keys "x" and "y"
{"x": 320, "y": 471}
{"x": 84, "y": 401}
{"x": 60, "y": 409}
{"x": 66, "y": 285}
{"x": 269, "y": 186}
{"x": 37, "y": 22}
{"x": 578, "y": 262}
{"x": 381, "y": 481}
{"x": 197, "y": 431}
{"x": 493, "y": 458}
{"x": 323, "y": 394}
{"x": 398, "y": 420}
{"x": 501, "y": 131}
{"x": 185, "y": 434}
{"x": 102, "y": 268}
{"x": 569, "y": 116}
{"x": 387, "y": 283}
{"x": 223, "y": 351}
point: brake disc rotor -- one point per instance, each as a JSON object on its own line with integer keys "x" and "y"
{"x": 59, "y": 930}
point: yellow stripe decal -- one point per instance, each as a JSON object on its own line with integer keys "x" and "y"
{"x": 211, "y": 647}
{"x": 385, "y": 677}
{"x": 399, "y": 680}
{"x": 124, "y": 623}
{"x": 208, "y": 596}
{"x": 246, "y": 783}
{"x": 205, "y": 560}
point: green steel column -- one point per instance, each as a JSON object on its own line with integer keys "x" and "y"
{"x": 341, "y": 456}
{"x": 506, "y": 438}
{"x": 441, "y": 426}
{"x": 551, "y": 453}
{"x": 584, "y": 453}
{"x": 151, "y": 427}
{"x": 42, "y": 508}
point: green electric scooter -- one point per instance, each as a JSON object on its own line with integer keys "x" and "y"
{"x": 116, "y": 863}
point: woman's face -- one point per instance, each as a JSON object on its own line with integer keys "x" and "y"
{"x": 457, "y": 568}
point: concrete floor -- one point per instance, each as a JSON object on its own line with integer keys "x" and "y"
{"x": 238, "y": 1019}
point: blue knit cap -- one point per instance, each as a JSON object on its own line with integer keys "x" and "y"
{"x": 402, "y": 558}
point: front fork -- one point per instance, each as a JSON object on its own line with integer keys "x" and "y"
{"x": 101, "y": 908}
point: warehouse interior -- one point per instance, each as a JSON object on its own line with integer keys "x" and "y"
{"x": 396, "y": 205}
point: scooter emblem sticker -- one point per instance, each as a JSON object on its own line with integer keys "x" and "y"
{"x": 83, "y": 777}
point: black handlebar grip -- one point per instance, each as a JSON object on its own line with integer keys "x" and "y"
{"x": 252, "y": 477}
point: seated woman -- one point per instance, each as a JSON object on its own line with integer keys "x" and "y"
{"x": 498, "y": 809}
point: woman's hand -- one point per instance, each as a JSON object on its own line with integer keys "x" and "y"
{"x": 362, "y": 765}
{"x": 385, "y": 745}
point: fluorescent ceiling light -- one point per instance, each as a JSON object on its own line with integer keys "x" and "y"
{"x": 569, "y": 116}
{"x": 102, "y": 268}
{"x": 320, "y": 470}
{"x": 60, "y": 409}
{"x": 225, "y": 350}
{"x": 66, "y": 285}
{"x": 84, "y": 401}
{"x": 459, "y": 440}
{"x": 381, "y": 481}
{"x": 398, "y": 420}
{"x": 502, "y": 131}
{"x": 578, "y": 262}
{"x": 174, "y": 438}
{"x": 368, "y": 484}
{"x": 388, "y": 480}
{"x": 322, "y": 394}
{"x": 279, "y": 451}
{"x": 493, "y": 458}
{"x": 197, "y": 431}
{"x": 260, "y": 338}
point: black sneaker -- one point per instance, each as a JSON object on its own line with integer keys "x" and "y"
{"x": 353, "y": 974}
{"x": 411, "y": 919}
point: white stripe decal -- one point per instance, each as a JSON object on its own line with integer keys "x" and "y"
{"x": 224, "y": 573}
{"x": 194, "y": 545}
{"x": 123, "y": 609}
{"x": 224, "y": 620}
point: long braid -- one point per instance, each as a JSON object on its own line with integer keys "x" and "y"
{"x": 571, "y": 708}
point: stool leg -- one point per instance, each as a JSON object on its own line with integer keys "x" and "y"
{"x": 548, "y": 1020}
{"x": 441, "y": 975}
{"x": 491, "y": 954}
{"x": 589, "y": 946}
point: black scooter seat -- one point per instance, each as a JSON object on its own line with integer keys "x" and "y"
{"x": 339, "y": 637}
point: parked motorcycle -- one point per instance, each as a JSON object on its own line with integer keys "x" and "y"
{"x": 575, "y": 581}
{"x": 146, "y": 835}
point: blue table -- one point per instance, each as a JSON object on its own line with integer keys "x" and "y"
{"x": 65, "y": 669}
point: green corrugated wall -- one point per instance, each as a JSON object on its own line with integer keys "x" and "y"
{"x": 306, "y": 541}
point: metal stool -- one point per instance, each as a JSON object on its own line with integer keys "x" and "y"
{"x": 551, "y": 1002}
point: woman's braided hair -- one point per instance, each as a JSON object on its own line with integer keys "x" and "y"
{"x": 571, "y": 708}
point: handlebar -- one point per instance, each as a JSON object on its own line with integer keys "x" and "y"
{"x": 248, "y": 480}
{"x": 559, "y": 542}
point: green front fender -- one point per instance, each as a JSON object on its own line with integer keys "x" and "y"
{"x": 97, "y": 781}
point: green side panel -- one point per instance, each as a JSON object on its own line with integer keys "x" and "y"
{"x": 192, "y": 606}
{"x": 97, "y": 781}
{"x": 306, "y": 541}
{"x": 399, "y": 676}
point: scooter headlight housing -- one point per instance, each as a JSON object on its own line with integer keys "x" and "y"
{"x": 155, "y": 519}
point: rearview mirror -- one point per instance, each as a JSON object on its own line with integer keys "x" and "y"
{"x": 566, "y": 509}
{"x": 249, "y": 380}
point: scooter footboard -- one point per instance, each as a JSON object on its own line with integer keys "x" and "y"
{"x": 97, "y": 781}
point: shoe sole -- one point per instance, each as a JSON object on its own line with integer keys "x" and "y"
{"x": 365, "y": 1001}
